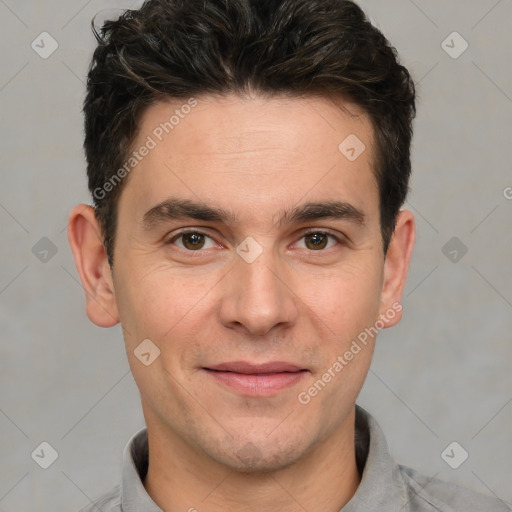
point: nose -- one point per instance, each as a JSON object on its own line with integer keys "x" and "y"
{"x": 258, "y": 296}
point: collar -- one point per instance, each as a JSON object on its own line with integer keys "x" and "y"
{"x": 382, "y": 486}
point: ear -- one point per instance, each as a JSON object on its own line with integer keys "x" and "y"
{"x": 84, "y": 235}
{"x": 396, "y": 267}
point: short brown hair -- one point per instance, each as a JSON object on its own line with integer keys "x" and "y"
{"x": 183, "y": 48}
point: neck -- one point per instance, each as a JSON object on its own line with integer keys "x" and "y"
{"x": 180, "y": 478}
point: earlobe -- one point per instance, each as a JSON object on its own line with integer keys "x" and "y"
{"x": 86, "y": 243}
{"x": 396, "y": 267}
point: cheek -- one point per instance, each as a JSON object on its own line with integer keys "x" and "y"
{"x": 346, "y": 298}
{"x": 149, "y": 296}
{"x": 172, "y": 311}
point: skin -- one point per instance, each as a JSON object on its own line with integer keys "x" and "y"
{"x": 214, "y": 448}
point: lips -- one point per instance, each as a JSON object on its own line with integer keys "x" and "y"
{"x": 256, "y": 380}
{"x": 256, "y": 369}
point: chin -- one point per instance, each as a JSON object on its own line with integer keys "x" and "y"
{"x": 259, "y": 455}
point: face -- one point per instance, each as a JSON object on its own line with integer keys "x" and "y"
{"x": 249, "y": 251}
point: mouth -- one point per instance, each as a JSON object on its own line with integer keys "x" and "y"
{"x": 261, "y": 380}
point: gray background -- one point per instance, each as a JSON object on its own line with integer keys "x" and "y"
{"x": 442, "y": 375}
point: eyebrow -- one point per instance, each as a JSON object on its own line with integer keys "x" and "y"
{"x": 177, "y": 209}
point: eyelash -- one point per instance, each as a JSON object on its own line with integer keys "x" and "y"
{"x": 339, "y": 239}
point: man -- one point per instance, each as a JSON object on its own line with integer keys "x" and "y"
{"x": 248, "y": 160}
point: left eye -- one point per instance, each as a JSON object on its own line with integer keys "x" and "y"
{"x": 316, "y": 241}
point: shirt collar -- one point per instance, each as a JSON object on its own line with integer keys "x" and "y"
{"x": 134, "y": 497}
{"x": 381, "y": 487}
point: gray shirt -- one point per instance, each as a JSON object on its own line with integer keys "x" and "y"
{"x": 385, "y": 485}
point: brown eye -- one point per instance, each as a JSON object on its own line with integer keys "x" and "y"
{"x": 193, "y": 241}
{"x": 319, "y": 240}
{"x": 315, "y": 241}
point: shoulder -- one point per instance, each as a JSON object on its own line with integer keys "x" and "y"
{"x": 107, "y": 502}
{"x": 427, "y": 493}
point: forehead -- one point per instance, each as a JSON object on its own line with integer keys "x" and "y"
{"x": 230, "y": 123}
{"x": 268, "y": 151}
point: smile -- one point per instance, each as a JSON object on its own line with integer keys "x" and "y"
{"x": 257, "y": 380}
